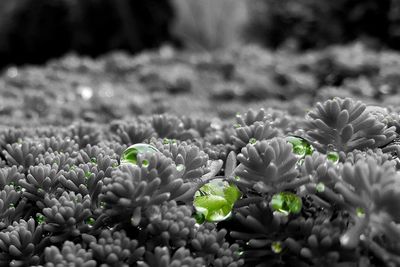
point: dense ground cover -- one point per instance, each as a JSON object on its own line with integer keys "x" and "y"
{"x": 70, "y": 196}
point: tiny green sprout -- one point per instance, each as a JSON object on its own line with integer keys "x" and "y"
{"x": 276, "y": 247}
{"x": 320, "y": 187}
{"x": 215, "y": 200}
{"x": 145, "y": 163}
{"x": 237, "y": 177}
{"x": 11, "y": 205}
{"x": 360, "y": 212}
{"x": 180, "y": 167}
{"x": 72, "y": 168}
{"x": 90, "y": 221}
{"x": 129, "y": 156}
{"x": 102, "y": 204}
{"x": 87, "y": 174}
{"x": 114, "y": 164}
{"x": 300, "y": 146}
{"x": 252, "y": 141}
{"x": 286, "y": 202}
{"x": 333, "y": 156}
{"x": 93, "y": 160}
{"x": 237, "y": 125}
{"x": 40, "y": 218}
{"x": 40, "y": 190}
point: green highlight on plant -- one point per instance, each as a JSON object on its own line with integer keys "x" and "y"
{"x": 145, "y": 163}
{"x": 16, "y": 186}
{"x": 333, "y": 156}
{"x": 300, "y": 146}
{"x": 40, "y": 218}
{"x": 276, "y": 247}
{"x": 180, "y": 167}
{"x": 114, "y": 165}
{"x": 320, "y": 187}
{"x": 129, "y": 156}
{"x": 360, "y": 212}
{"x": 252, "y": 141}
{"x": 167, "y": 141}
{"x": 90, "y": 221}
{"x": 286, "y": 203}
{"x": 214, "y": 201}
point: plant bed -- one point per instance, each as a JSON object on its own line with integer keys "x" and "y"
{"x": 92, "y": 177}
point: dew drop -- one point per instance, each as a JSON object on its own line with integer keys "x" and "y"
{"x": 40, "y": 218}
{"x": 215, "y": 200}
{"x": 252, "y": 141}
{"x": 333, "y": 156}
{"x": 276, "y": 247}
{"x": 320, "y": 187}
{"x": 360, "y": 212}
{"x": 286, "y": 202}
{"x": 180, "y": 167}
{"x": 300, "y": 146}
{"x": 129, "y": 156}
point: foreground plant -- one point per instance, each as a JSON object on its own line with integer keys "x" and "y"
{"x": 261, "y": 198}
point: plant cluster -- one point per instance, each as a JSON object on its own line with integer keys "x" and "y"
{"x": 266, "y": 190}
{"x": 94, "y": 90}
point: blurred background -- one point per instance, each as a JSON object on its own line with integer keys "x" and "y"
{"x": 104, "y": 60}
{"x": 34, "y": 31}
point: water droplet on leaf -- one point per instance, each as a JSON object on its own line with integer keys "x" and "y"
{"x": 40, "y": 218}
{"x": 239, "y": 252}
{"x": 215, "y": 200}
{"x": 276, "y": 247}
{"x": 90, "y": 221}
{"x": 180, "y": 167}
{"x": 360, "y": 212}
{"x": 167, "y": 141}
{"x": 286, "y": 202}
{"x": 333, "y": 156}
{"x": 300, "y": 146}
{"x": 252, "y": 141}
{"x": 129, "y": 156}
{"x": 320, "y": 187}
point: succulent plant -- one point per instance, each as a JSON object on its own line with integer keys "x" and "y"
{"x": 346, "y": 125}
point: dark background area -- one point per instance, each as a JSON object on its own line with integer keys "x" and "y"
{"x": 33, "y": 31}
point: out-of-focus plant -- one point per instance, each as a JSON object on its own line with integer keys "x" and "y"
{"x": 312, "y": 23}
{"x": 209, "y": 24}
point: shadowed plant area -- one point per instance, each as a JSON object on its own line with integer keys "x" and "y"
{"x": 304, "y": 24}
